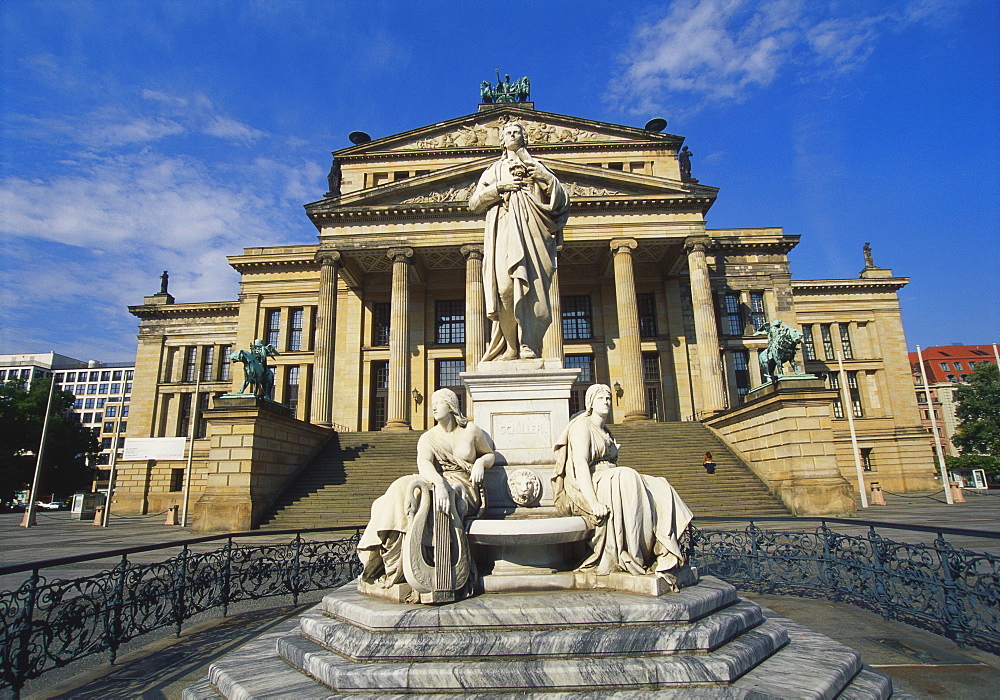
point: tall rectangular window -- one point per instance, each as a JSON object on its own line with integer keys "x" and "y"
{"x": 585, "y": 363}
{"x": 292, "y": 388}
{"x": 808, "y": 342}
{"x": 208, "y": 363}
{"x": 734, "y": 314}
{"x": 380, "y": 321}
{"x": 272, "y": 327}
{"x": 741, "y": 368}
{"x": 758, "y": 317}
{"x": 828, "y": 352}
{"x": 855, "y": 392}
{"x": 295, "y": 330}
{"x": 577, "y": 320}
{"x": 184, "y": 416}
{"x": 190, "y": 364}
{"x": 838, "y": 405}
{"x": 866, "y": 459}
{"x": 202, "y": 430}
{"x": 225, "y": 364}
{"x": 845, "y": 341}
{"x": 646, "y": 306}
{"x": 449, "y": 321}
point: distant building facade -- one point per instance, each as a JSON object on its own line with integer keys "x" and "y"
{"x": 102, "y": 391}
{"x": 946, "y": 367}
{"x": 648, "y": 299}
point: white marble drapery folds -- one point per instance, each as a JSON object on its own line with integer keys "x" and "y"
{"x": 646, "y": 516}
{"x": 523, "y": 232}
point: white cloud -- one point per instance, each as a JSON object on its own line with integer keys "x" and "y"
{"x": 715, "y": 50}
{"x": 231, "y": 130}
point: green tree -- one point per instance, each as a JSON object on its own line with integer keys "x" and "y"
{"x": 978, "y": 411}
{"x": 68, "y": 444}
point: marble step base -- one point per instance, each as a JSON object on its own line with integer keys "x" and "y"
{"x": 700, "y": 642}
{"x": 810, "y": 666}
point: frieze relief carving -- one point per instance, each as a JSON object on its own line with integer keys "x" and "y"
{"x": 452, "y": 194}
{"x": 575, "y": 189}
{"x": 488, "y": 134}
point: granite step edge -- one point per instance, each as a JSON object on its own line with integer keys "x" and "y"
{"x": 363, "y": 645}
{"x": 717, "y": 668}
{"x": 526, "y": 610}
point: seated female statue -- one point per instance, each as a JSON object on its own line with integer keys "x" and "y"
{"x": 452, "y": 457}
{"x": 637, "y": 519}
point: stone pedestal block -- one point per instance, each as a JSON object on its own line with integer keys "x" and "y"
{"x": 523, "y": 405}
{"x": 784, "y": 432}
{"x": 256, "y": 447}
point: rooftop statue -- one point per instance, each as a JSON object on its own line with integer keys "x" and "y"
{"x": 505, "y": 91}
{"x": 430, "y": 510}
{"x": 164, "y": 278}
{"x": 637, "y": 520}
{"x": 684, "y": 158}
{"x": 526, "y": 208}
{"x": 256, "y": 373}
{"x": 782, "y": 342}
{"x": 868, "y": 254}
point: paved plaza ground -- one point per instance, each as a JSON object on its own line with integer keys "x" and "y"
{"x": 921, "y": 664}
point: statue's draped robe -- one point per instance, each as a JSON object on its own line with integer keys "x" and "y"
{"x": 523, "y": 231}
{"x": 640, "y": 535}
{"x": 381, "y": 545}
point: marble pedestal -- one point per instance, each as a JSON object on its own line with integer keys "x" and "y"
{"x": 703, "y": 642}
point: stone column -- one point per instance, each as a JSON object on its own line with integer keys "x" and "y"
{"x": 398, "y": 414}
{"x": 326, "y": 313}
{"x": 475, "y": 307}
{"x": 705, "y": 326}
{"x": 634, "y": 398}
{"x": 552, "y": 343}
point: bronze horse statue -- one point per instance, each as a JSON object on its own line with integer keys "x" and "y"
{"x": 255, "y": 374}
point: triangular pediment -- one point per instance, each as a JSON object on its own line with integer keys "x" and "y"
{"x": 456, "y": 184}
{"x": 482, "y": 130}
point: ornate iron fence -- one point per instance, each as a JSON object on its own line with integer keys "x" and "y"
{"x": 50, "y": 623}
{"x": 948, "y": 590}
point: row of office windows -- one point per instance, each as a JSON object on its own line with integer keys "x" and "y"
{"x": 827, "y": 332}
{"x": 112, "y": 388}
{"x": 83, "y": 403}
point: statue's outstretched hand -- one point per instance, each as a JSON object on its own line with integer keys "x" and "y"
{"x": 601, "y": 510}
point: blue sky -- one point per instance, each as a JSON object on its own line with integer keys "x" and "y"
{"x": 143, "y": 136}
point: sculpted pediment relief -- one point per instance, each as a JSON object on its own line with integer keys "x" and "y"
{"x": 482, "y": 130}
{"x": 487, "y": 133}
{"x": 457, "y": 185}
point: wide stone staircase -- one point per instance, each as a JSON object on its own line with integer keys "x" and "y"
{"x": 353, "y": 469}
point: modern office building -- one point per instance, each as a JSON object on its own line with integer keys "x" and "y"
{"x": 102, "y": 390}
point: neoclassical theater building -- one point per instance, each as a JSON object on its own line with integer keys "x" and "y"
{"x": 387, "y": 306}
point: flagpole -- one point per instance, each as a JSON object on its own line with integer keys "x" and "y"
{"x": 849, "y": 411}
{"x": 29, "y": 514}
{"x": 934, "y": 429}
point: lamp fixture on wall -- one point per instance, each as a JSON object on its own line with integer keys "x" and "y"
{"x": 619, "y": 392}
{"x": 417, "y": 397}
